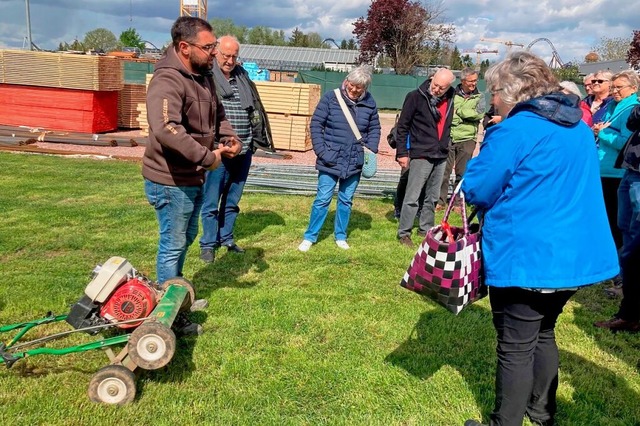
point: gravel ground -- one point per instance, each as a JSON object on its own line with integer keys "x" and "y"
{"x": 386, "y": 155}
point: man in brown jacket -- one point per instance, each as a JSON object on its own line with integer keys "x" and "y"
{"x": 186, "y": 120}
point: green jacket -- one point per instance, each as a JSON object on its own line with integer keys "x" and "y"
{"x": 467, "y": 114}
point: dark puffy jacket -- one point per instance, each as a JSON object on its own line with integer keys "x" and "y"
{"x": 417, "y": 121}
{"x": 337, "y": 150}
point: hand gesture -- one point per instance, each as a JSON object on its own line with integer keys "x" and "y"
{"x": 230, "y": 146}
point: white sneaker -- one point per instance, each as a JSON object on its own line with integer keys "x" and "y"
{"x": 304, "y": 246}
{"x": 342, "y": 244}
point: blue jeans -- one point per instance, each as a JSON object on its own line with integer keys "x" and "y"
{"x": 424, "y": 174}
{"x": 629, "y": 225}
{"x": 320, "y": 209}
{"x": 222, "y": 192}
{"x": 177, "y": 209}
{"x": 527, "y": 370}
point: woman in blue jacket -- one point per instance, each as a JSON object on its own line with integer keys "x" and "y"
{"x": 545, "y": 231}
{"x": 339, "y": 155}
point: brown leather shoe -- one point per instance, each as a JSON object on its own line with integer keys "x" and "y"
{"x": 406, "y": 241}
{"x": 619, "y": 324}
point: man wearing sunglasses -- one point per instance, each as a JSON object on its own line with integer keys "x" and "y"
{"x": 185, "y": 121}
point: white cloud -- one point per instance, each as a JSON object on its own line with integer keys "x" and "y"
{"x": 573, "y": 26}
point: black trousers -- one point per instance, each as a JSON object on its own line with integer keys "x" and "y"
{"x": 527, "y": 370}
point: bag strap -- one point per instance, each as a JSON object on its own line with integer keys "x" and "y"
{"x": 347, "y": 115}
{"x": 457, "y": 193}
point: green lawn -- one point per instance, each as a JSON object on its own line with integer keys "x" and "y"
{"x": 326, "y": 337}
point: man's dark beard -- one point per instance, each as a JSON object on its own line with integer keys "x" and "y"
{"x": 202, "y": 69}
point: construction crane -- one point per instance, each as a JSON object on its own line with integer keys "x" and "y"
{"x": 479, "y": 52}
{"x": 507, "y": 43}
{"x": 196, "y": 8}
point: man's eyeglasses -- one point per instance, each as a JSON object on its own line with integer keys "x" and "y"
{"x": 598, "y": 81}
{"x": 207, "y": 47}
{"x": 227, "y": 57}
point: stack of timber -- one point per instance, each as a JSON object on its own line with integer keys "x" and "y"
{"x": 134, "y": 91}
{"x": 128, "y": 100}
{"x": 289, "y": 107}
{"x": 142, "y": 111}
{"x": 60, "y": 91}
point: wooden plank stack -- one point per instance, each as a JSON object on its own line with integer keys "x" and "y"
{"x": 60, "y": 91}
{"x": 63, "y": 70}
{"x": 289, "y": 107}
{"x": 142, "y": 110}
{"x": 128, "y": 99}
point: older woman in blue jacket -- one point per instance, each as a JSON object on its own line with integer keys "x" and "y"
{"x": 340, "y": 156}
{"x": 545, "y": 231}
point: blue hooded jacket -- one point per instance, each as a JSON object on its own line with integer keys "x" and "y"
{"x": 338, "y": 153}
{"x": 537, "y": 180}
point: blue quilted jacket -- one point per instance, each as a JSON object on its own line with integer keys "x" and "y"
{"x": 338, "y": 153}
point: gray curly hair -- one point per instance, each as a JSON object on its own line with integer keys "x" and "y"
{"x": 520, "y": 77}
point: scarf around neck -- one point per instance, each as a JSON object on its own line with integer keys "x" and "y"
{"x": 225, "y": 89}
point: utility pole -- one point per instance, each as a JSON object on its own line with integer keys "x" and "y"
{"x": 29, "y": 26}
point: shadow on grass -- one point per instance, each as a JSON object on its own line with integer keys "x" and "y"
{"x": 594, "y": 305}
{"x": 227, "y": 271}
{"x": 358, "y": 220}
{"x": 255, "y": 221}
{"x": 465, "y": 343}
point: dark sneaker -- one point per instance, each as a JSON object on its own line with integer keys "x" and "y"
{"x": 619, "y": 324}
{"x": 406, "y": 241}
{"x": 207, "y": 255}
{"x": 184, "y": 327}
{"x": 234, "y": 248}
{"x": 396, "y": 213}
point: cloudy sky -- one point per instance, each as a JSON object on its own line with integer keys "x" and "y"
{"x": 573, "y": 26}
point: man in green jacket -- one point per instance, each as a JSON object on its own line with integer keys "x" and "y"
{"x": 468, "y": 111}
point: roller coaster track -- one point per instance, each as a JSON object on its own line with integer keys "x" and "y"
{"x": 555, "y": 61}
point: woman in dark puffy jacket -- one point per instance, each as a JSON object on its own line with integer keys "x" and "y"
{"x": 339, "y": 155}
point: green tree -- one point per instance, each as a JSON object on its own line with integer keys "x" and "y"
{"x": 569, "y": 73}
{"x": 315, "y": 40}
{"x": 467, "y": 62}
{"x": 131, "y": 38}
{"x": 266, "y": 36}
{"x": 77, "y": 45}
{"x": 456, "y": 60}
{"x": 100, "y": 39}
{"x": 612, "y": 48}
{"x": 297, "y": 38}
{"x": 226, "y": 26}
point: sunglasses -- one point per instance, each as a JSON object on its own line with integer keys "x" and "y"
{"x": 598, "y": 81}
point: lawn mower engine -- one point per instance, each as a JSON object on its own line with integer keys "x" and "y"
{"x": 118, "y": 295}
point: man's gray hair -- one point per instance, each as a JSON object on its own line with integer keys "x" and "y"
{"x": 587, "y": 77}
{"x": 520, "y": 77}
{"x": 360, "y": 76}
{"x": 468, "y": 72}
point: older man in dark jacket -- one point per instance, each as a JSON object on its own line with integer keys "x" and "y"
{"x": 426, "y": 119}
